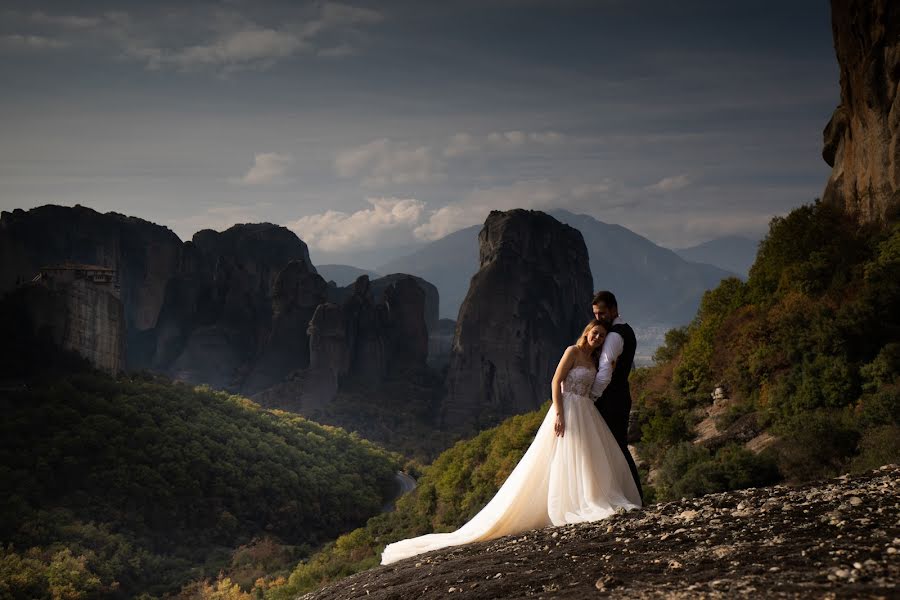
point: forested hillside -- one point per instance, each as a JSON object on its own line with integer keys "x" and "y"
{"x": 451, "y": 490}
{"x": 138, "y": 485}
{"x": 808, "y": 350}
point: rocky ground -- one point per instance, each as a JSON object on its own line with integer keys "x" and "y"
{"x": 833, "y": 539}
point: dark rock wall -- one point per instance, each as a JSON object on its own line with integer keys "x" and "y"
{"x": 861, "y": 141}
{"x": 527, "y": 303}
{"x": 145, "y": 255}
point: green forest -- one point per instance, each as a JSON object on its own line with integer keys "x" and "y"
{"x": 807, "y": 349}
{"x": 114, "y": 487}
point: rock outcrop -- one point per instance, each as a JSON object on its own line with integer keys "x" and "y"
{"x": 72, "y": 314}
{"x": 527, "y": 303}
{"x": 298, "y": 290}
{"x": 144, "y": 255}
{"x": 831, "y": 539}
{"x": 237, "y": 315}
{"x": 361, "y": 340}
{"x": 862, "y": 140}
{"x": 231, "y": 309}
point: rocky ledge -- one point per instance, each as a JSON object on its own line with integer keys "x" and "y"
{"x": 832, "y": 539}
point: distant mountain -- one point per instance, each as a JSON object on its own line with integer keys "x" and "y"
{"x": 653, "y": 284}
{"x": 366, "y": 258}
{"x": 732, "y": 252}
{"x": 448, "y": 263}
{"x": 344, "y": 275}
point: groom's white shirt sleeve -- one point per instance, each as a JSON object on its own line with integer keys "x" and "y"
{"x": 612, "y": 349}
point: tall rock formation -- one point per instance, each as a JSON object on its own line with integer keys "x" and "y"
{"x": 297, "y": 291}
{"x": 527, "y": 303}
{"x": 360, "y": 341}
{"x": 237, "y": 316}
{"x": 70, "y": 307}
{"x": 862, "y": 140}
{"x": 144, "y": 255}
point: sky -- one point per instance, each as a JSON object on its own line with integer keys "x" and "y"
{"x": 369, "y": 128}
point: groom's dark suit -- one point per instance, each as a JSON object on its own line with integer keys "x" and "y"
{"x": 614, "y": 403}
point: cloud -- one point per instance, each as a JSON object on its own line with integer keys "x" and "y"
{"x": 383, "y": 161}
{"x": 389, "y": 221}
{"x": 64, "y": 21}
{"x": 461, "y": 144}
{"x": 529, "y": 194}
{"x": 251, "y": 47}
{"x": 31, "y": 42}
{"x": 268, "y": 167}
{"x": 395, "y": 221}
{"x": 670, "y": 184}
{"x": 227, "y": 41}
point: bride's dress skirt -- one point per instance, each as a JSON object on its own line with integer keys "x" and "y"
{"x": 581, "y": 476}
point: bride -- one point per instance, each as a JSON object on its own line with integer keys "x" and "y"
{"x": 573, "y": 471}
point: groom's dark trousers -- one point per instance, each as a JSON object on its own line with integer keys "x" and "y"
{"x": 615, "y": 403}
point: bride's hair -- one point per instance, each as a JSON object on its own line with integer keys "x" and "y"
{"x": 582, "y": 339}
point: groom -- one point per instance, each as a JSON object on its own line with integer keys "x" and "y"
{"x": 611, "y": 390}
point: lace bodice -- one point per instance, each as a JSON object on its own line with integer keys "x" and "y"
{"x": 579, "y": 380}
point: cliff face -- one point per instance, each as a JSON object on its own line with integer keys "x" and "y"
{"x": 236, "y": 315}
{"x": 77, "y": 316}
{"x": 144, "y": 255}
{"x": 527, "y": 303}
{"x": 831, "y": 539}
{"x": 362, "y": 340}
{"x": 231, "y": 309}
{"x": 862, "y": 140}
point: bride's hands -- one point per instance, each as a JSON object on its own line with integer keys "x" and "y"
{"x": 560, "y": 426}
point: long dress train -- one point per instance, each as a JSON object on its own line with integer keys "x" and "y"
{"x": 582, "y": 476}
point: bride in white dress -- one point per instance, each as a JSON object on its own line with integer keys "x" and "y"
{"x": 573, "y": 471}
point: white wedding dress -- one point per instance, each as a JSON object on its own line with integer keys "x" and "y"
{"x": 581, "y": 476}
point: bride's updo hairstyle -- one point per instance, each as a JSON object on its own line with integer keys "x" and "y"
{"x": 582, "y": 339}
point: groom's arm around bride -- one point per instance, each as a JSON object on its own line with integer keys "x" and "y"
{"x": 611, "y": 389}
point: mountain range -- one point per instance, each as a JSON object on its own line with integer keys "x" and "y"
{"x": 733, "y": 253}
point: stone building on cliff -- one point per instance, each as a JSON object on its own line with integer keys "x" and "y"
{"x": 88, "y": 315}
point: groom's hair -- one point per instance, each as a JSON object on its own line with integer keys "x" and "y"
{"x": 607, "y": 298}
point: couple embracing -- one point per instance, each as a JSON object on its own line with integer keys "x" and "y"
{"x": 578, "y": 468}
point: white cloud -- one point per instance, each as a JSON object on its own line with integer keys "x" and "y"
{"x": 252, "y": 47}
{"x": 31, "y": 42}
{"x": 461, "y": 144}
{"x": 448, "y": 219}
{"x": 475, "y": 207}
{"x": 670, "y": 184}
{"x": 383, "y": 161}
{"x": 268, "y": 167}
{"x": 389, "y": 221}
